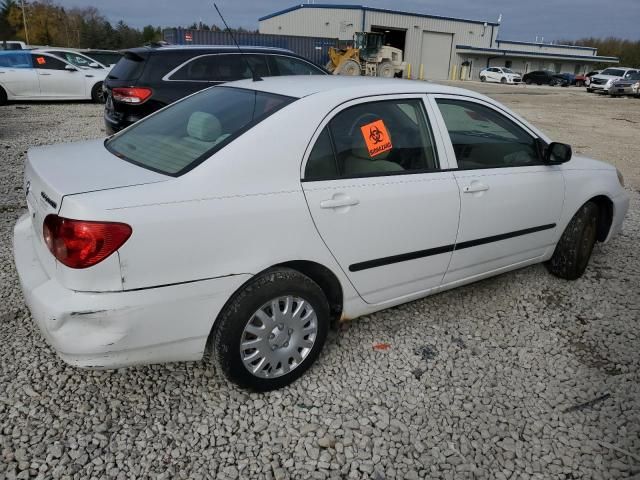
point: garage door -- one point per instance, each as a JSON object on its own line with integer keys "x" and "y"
{"x": 435, "y": 54}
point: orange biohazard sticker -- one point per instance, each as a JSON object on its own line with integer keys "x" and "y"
{"x": 376, "y": 137}
{"x": 41, "y": 60}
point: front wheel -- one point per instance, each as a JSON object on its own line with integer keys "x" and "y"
{"x": 385, "y": 69}
{"x": 528, "y": 81}
{"x": 483, "y": 78}
{"x": 272, "y": 330}
{"x": 97, "y": 93}
{"x": 573, "y": 251}
{"x": 3, "y": 96}
{"x": 503, "y": 80}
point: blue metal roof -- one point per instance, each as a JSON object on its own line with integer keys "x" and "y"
{"x": 371, "y": 9}
{"x": 539, "y": 44}
{"x": 504, "y": 52}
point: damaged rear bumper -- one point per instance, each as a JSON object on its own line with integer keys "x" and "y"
{"x": 117, "y": 329}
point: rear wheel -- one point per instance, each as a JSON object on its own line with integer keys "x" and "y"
{"x": 271, "y": 331}
{"x": 3, "y": 96}
{"x": 97, "y": 94}
{"x": 528, "y": 81}
{"x": 385, "y": 69}
{"x": 349, "y": 68}
{"x": 503, "y": 80}
{"x": 573, "y": 251}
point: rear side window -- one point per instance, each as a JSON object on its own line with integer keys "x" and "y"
{"x": 46, "y": 62}
{"x": 185, "y": 134}
{"x": 128, "y": 67}
{"x": 390, "y": 137}
{"x": 222, "y": 68}
{"x": 15, "y": 60}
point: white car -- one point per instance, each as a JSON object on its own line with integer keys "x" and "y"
{"x": 245, "y": 218}
{"x": 602, "y": 82}
{"x": 31, "y": 75}
{"x": 500, "y": 74}
{"x": 74, "y": 58}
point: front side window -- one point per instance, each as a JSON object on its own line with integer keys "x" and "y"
{"x": 222, "y": 68}
{"x": 377, "y": 138}
{"x": 185, "y": 134}
{"x": 46, "y": 62}
{"x": 295, "y": 66}
{"x": 484, "y": 138}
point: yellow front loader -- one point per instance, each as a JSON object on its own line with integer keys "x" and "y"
{"x": 368, "y": 57}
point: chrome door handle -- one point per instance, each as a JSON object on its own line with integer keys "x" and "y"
{"x": 339, "y": 202}
{"x": 43, "y": 74}
{"x": 475, "y": 187}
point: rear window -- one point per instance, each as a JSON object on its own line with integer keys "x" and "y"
{"x": 188, "y": 132}
{"x": 128, "y": 67}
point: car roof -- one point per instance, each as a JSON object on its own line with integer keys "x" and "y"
{"x": 348, "y": 87}
{"x": 217, "y": 48}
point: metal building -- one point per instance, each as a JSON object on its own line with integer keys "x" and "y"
{"x": 436, "y": 47}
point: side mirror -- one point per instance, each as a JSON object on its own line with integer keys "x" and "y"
{"x": 557, "y": 153}
{"x": 94, "y": 65}
{"x": 70, "y": 68}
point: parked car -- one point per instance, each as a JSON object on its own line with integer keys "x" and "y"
{"x": 149, "y": 78}
{"x": 545, "y": 77}
{"x": 624, "y": 86}
{"x": 74, "y": 57}
{"x": 13, "y": 45}
{"x": 500, "y": 74}
{"x": 568, "y": 79}
{"x": 635, "y": 89}
{"x": 33, "y": 75}
{"x": 585, "y": 80}
{"x": 108, "y": 58}
{"x": 602, "y": 82}
{"x": 249, "y": 216}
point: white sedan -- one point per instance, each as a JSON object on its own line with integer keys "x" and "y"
{"x": 500, "y": 74}
{"x": 246, "y": 218}
{"x": 35, "y": 75}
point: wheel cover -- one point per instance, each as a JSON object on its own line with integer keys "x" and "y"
{"x": 278, "y": 337}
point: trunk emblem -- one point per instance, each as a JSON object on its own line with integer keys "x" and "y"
{"x": 48, "y": 200}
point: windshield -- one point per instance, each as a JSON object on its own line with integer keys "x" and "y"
{"x": 614, "y": 72}
{"x": 185, "y": 134}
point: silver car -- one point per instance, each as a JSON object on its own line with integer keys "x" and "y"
{"x": 625, "y": 86}
{"x": 602, "y": 82}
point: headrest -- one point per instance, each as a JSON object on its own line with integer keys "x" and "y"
{"x": 204, "y": 126}
{"x": 359, "y": 149}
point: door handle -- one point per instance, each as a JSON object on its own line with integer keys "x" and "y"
{"x": 339, "y": 202}
{"x": 475, "y": 187}
{"x": 44, "y": 74}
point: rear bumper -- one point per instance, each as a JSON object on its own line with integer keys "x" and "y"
{"x": 113, "y": 126}
{"x": 117, "y": 329}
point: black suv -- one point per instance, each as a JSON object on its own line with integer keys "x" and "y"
{"x": 149, "y": 78}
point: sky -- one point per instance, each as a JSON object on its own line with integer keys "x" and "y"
{"x": 521, "y": 19}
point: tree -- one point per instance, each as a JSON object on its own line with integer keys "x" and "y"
{"x": 151, "y": 34}
{"x": 7, "y": 32}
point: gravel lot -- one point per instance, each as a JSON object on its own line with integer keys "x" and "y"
{"x": 520, "y": 376}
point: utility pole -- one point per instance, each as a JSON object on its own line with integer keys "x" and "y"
{"x": 24, "y": 20}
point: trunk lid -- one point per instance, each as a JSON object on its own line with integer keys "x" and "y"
{"x": 55, "y": 171}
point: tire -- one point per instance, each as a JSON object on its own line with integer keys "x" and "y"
{"x": 385, "y": 69}
{"x": 590, "y": 90}
{"x": 97, "y": 94}
{"x": 503, "y": 80}
{"x": 528, "y": 81}
{"x": 483, "y": 78}
{"x": 572, "y": 253}
{"x": 349, "y": 68}
{"x": 3, "y": 96}
{"x": 251, "y": 308}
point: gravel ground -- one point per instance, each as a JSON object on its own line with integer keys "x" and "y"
{"x": 520, "y": 376}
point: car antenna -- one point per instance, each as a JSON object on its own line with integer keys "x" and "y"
{"x": 256, "y": 77}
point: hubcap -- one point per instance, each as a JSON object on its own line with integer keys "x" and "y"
{"x": 278, "y": 337}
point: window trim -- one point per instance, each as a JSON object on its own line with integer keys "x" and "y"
{"x": 50, "y": 55}
{"x": 436, "y": 136}
{"x": 167, "y": 78}
{"x": 536, "y": 136}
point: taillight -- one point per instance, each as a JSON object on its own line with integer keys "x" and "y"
{"x": 81, "y": 244}
{"x": 131, "y": 94}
